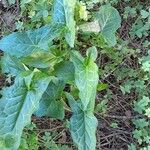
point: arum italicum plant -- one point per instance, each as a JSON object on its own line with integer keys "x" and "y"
{"x": 42, "y": 71}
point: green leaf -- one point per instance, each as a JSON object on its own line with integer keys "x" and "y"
{"x": 83, "y": 126}
{"x": 22, "y": 44}
{"x": 102, "y": 106}
{"x": 41, "y": 60}
{"x": 17, "y": 105}
{"x": 83, "y": 122}
{"x": 86, "y": 77}
{"x": 65, "y": 71}
{"x": 63, "y": 13}
{"x": 109, "y": 21}
{"x": 90, "y": 27}
{"x": 147, "y": 112}
{"x": 131, "y": 147}
{"x": 29, "y": 141}
{"x": 141, "y": 105}
{"x": 102, "y": 86}
{"x": 114, "y": 125}
{"x": 81, "y": 12}
{"x": 145, "y": 61}
{"x": 126, "y": 88}
{"x": 140, "y": 123}
{"x": 11, "y": 2}
{"x": 92, "y": 53}
{"x": 137, "y": 134}
{"x": 64, "y": 147}
{"x": 12, "y": 65}
{"x": 23, "y": 2}
{"x": 145, "y": 14}
{"x": 50, "y": 104}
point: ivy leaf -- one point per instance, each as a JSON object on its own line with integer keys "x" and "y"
{"x": 50, "y": 104}
{"x": 109, "y": 21}
{"x": 12, "y": 65}
{"x": 83, "y": 126}
{"x": 86, "y": 76}
{"x": 17, "y": 105}
{"x": 21, "y": 44}
{"x": 63, "y": 13}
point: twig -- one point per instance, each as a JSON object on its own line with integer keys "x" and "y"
{"x": 49, "y": 130}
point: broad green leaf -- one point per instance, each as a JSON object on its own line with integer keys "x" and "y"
{"x": 50, "y": 104}
{"x": 109, "y": 21}
{"x": 17, "y": 105}
{"x": 41, "y": 60}
{"x": 83, "y": 126}
{"x": 86, "y": 76}
{"x": 21, "y": 44}
{"x": 83, "y": 122}
{"x": 12, "y": 65}
{"x": 63, "y": 13}
{"x": 65, "y": 71}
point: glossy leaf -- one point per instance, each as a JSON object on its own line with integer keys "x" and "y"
{"x": 21, "y": 44}
{"x": 63, "y": 13}
{"x": 17, "y": 105}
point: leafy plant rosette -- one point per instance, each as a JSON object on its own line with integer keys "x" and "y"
{"x": 41, "y": 72}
